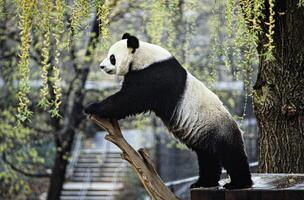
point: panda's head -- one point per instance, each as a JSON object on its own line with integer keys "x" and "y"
{"x": 120, "y": 55}
{"x": 130, "y": 54}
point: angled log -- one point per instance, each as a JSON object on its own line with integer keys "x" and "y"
{"x": 139, "y": 160}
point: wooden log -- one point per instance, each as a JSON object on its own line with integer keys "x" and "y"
{"x": 139, "y": 160}
{"x": 266, "y": 187}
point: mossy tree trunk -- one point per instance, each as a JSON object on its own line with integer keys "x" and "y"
{"x": 279, "y": 93}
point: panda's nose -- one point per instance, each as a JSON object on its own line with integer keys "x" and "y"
{"x": 102, "y": 67}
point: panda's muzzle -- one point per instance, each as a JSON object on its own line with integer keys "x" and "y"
{"x": 111, "y": 71}
{"x": 108, "y": 71}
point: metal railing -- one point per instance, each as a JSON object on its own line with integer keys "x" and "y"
{"x": 116, "y": 177}
{"x": 104, "y": 151}
{"x": 86, "y": 184}
{"x": 75, "y": 155}
{"x": 88, "y": 176}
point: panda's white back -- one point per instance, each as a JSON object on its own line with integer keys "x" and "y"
{"x": 199, "y": 111}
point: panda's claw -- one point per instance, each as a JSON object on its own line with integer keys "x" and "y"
{"x": 91, "y": 109}
{"x": 194, "y": 185}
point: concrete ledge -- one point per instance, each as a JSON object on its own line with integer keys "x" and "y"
{"x": 266, "y": 187}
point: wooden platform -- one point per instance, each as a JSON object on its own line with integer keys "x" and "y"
{"x": 266, "y": 187}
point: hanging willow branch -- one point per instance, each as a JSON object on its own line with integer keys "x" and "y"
{"x": 269, "y": 35}
{"x": 214, "y": 24}
{"x": 46, "y": 28}
{"x": 80, "y": 12}
{"x": 57, "y": 32}
{"x": 155, "y": 25}
{"x": 1, "y": 8}
{"x": 103, "y": 11}
{"x": 190, "y": 8}
{"x": 172, "y": 12}
{"x": 258, "y": 16}
{"x": 25, "y": 7}
{"x": 139, "y": 160}
{"x": 228, "y": 45}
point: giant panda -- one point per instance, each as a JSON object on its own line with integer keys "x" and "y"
{"x": 155, "y": 81}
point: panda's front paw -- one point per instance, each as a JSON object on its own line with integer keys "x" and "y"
{"x": 92, "y": 109}
{"x": 204, "y": 184}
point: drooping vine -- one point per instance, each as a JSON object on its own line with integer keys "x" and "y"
{"x": 258, "y": 16}
{"x": 172, "y": 12}
{"x": 230, "y": 9}
{"x": 46, "y": 6}
{"x": 103, "y": 11}
{"x": 1, "y": 8}
{"x": 155, "y": 26}
{"x": 215, "y": 50}
{"x": 246, "y": 41}
{"x": 271, "y": 24}
{"x": 55, "y": 79}
{"x": 228, "y": 46}
{"x": 58, "y": 28}
{"x": 57, "y": 92}
{"x": 25, "y": 8}
{"x": 238, "y": 42}
{"x": 301, "y": 3}
{"x": 190, "y": 8}
{"x": 80, "y": 13}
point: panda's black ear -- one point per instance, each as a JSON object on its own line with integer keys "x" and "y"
{"x": 125, "y": 36}
{"x": 132, "y": 42}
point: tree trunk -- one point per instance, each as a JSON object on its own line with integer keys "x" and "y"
{"x": 72, "y": 119}
{"x": 279, "y": 93}
{"x": 64, "y": 139}
{"x": 59, "y": 168}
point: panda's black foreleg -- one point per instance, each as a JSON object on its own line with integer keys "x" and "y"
{"x": 209, "y": 169}
{"x": 111, "y": 107}
{"x": 234, "y": 160}
{"x": 117, "y": 106}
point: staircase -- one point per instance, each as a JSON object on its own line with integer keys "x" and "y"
{"x": 95, "y": 172}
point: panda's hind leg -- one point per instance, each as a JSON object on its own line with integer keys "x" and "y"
{"x": 234, "y": 160}
{"x": 209, "y": 169}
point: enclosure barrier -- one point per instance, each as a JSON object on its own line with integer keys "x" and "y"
{"x": 266, "y": 187}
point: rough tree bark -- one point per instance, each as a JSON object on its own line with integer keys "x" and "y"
{"x": 279, "y": 92}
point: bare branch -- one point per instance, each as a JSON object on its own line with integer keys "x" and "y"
{"x": 139, "y": 160}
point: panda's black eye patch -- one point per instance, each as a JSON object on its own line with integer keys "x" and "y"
{"x": 112, "y": 59}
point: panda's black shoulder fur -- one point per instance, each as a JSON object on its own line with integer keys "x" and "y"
{"x": 157, "y": 88}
